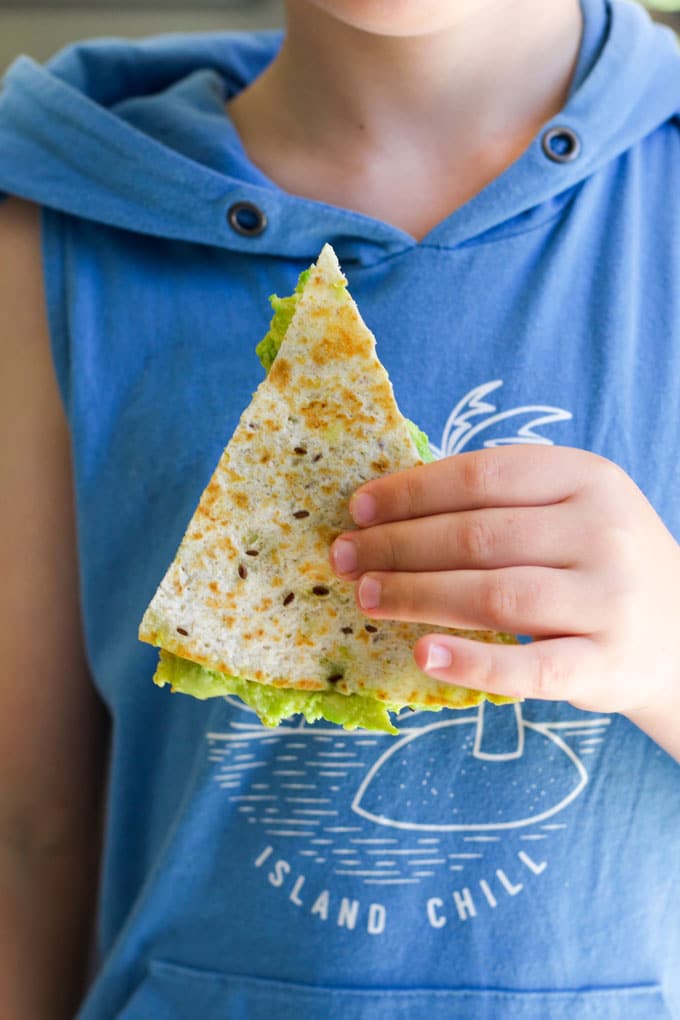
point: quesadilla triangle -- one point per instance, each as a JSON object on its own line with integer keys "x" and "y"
{"x": 250, "y": 606}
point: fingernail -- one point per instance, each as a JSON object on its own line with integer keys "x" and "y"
{"x": 344, "y": 556}
{"x": 370, "y": 591}
{"x": 438, "y": 657}
{"x": 363, "y": 508}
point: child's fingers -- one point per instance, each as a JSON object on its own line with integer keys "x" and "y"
{"x": 510, "y": 476}
{"x": 478, "y": 539}
{"x": 523, "y": 600}
{"x": 560, "y": 669}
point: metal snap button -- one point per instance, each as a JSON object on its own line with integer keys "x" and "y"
{"x": 247, "y": 219}
{"x": 561, "y": 144}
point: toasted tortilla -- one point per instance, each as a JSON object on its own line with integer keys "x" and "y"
{"x": 250, "y": 598}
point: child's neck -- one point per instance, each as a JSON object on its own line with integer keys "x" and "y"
{"x": 408, "y": 129}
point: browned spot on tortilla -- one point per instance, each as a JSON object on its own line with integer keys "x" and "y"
{"x": 379, "y": 465}
{"x": 316, "y": 414}
{"x": 266, "y": 457}
{"x": 429, "y": 699}
{"x": 351, "y": 404}
{"x": 241, "y": 499}
{"x": 214, "y": 586}
{"x": 340, "y": 341}
{"x": 183, "y": 650}
{"x": 326, "y": 535}
{"x": 211, "y": 496}
{"x": 265, "y": 604}
{"x": 203, "y": 511}
{"x": 302, "y": 685}
{"x": 280, "y": 373}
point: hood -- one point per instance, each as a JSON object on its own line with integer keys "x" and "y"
{"x": 134, "y": 135}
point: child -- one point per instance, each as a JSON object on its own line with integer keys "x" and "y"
{"x": 500, "y": 184}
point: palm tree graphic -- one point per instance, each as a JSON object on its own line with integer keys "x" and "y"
{"x": 475, "y": 418}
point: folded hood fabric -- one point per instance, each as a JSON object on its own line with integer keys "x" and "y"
{"x": 175, "y": 171}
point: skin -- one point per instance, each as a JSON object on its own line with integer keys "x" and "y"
{"x": 551, "y": 542}
{"x": 418, "y": 125}
{"x": 53, "y": 728}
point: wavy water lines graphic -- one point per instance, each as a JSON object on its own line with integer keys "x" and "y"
{"x": 374, "y": 810}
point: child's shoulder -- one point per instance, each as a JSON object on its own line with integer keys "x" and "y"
{"x": 20, "y": 255}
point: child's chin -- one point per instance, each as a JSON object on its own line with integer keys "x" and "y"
{"x": 399, "y": 18}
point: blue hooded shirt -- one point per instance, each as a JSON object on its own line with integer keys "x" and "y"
{"x": 519, "y": 862}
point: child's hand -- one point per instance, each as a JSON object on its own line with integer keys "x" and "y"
{"x": 550, "y": 542}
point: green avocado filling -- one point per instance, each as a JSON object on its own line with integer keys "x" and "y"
{"x": 284, "y": 310}
{"x": 421, "y": 442}
{"x": 272, "y": 704}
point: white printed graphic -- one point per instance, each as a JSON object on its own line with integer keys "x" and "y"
{"x": 462, "y": 427}
{"x": 434, "y": 810}
{"x": 381, "y": 810}
{"x": 468, "y": 797}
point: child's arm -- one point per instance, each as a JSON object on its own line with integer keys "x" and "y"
{"x": 53, "y": 730}
{"x": 547, "y": 541}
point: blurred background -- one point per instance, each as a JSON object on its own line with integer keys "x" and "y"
{"x": 42, "y": 28}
